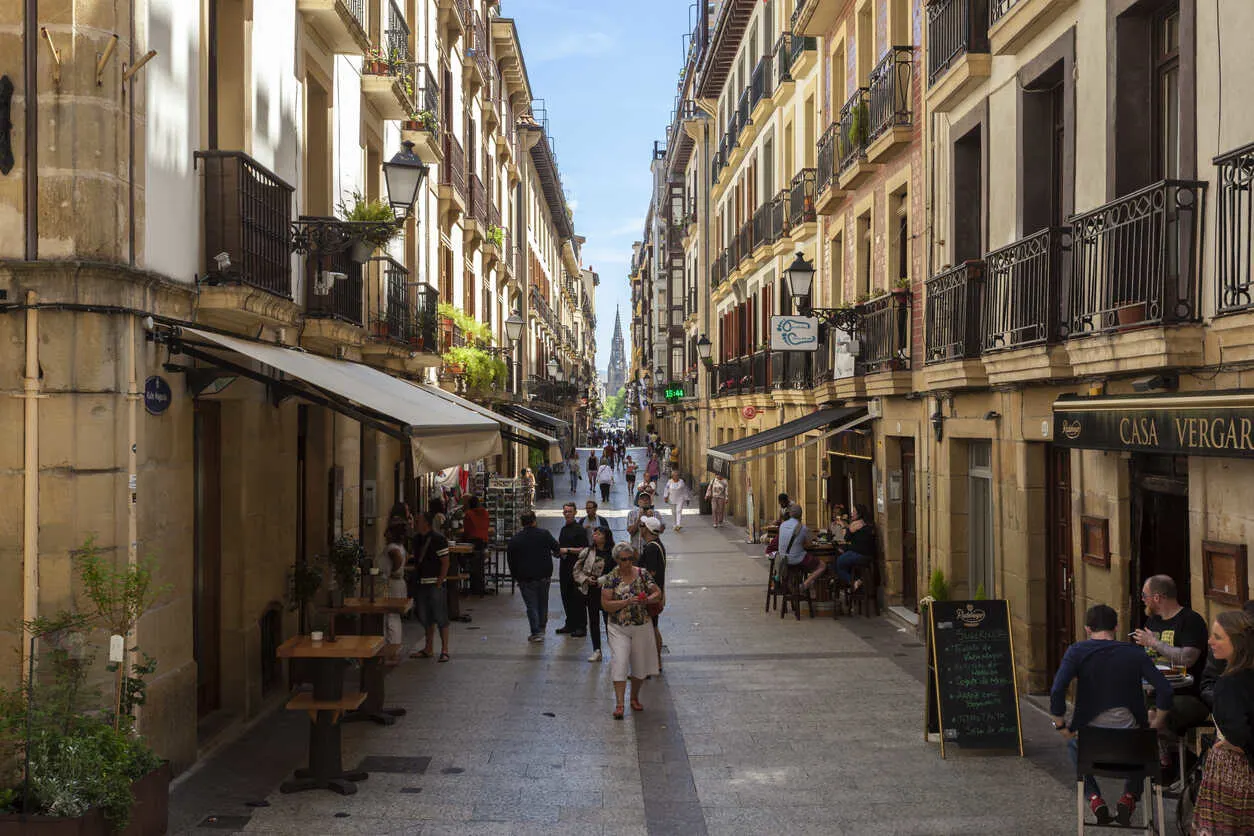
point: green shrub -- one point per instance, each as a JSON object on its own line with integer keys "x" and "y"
{"x": 938, "y": 587}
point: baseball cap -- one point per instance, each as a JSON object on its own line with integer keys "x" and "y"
{"x": 652, "y": 523}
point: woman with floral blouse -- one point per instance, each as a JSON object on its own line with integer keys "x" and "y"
{"x": 625, "y": 595}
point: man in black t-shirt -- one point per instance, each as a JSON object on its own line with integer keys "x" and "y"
{"x": 573, "y": 538}
{"x": 428, "y": 561}
{"x": 1175, "y": 635}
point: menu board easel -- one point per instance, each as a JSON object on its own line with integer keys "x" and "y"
{"x": 972, "y": 692}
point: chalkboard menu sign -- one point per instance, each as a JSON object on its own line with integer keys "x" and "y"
{"x": 973, "y": 697}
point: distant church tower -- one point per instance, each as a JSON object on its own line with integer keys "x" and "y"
{"x": 616, "y": 376}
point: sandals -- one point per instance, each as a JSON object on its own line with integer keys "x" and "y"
{"x": 420, "y": 654}
{"x": 618, "y": 712}
{"x": 443, "y": 657}
{"x": 636, "y": 706}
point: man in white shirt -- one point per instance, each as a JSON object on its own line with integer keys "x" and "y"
{"x": 644, "y": 508}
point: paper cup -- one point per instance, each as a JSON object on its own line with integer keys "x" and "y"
{"x": 316, "y": 635}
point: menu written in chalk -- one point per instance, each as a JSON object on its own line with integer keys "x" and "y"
{"x": 971, "y": 676}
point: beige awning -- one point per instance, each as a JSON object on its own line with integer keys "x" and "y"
{"x": 441, "y": 433}
{"x": 514, "y": 430}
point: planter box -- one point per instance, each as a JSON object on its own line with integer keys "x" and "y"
{"x": 150, "y": 814}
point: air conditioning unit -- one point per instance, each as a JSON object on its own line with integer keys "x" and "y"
{"x": 325, "y": 280}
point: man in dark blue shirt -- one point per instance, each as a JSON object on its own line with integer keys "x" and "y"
{"x": 531, "y": 553}
{"x": 1108, "y": 695}
{"x": 572, "y": 538}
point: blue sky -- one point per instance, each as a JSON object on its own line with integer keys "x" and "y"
{"x": 606, "y": 70}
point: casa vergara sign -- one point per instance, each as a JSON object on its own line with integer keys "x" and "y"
{"x": 1211, "y": 424}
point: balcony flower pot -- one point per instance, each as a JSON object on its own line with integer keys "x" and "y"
{"x": 381, "y": 330}
{"x": 417, "y": 343}
{"x": 375, "y": 66}
{"x": 1129, "y": 314}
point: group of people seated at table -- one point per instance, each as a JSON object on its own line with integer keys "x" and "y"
{"x": 853, "y": 535}
{"x": 1213, "y": 673}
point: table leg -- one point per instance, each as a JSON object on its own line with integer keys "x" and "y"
{"x": 325, "y": 770}
{"x": 372, "y": 683}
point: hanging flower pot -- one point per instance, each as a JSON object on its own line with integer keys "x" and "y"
{"x": 361, "y": 251}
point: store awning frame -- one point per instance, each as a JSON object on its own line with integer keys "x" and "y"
{"x": 535, "y": 418}
{"x": 511, "y": 430}
{"x": 440, "y": 434}
{"x": 720, "y": 459}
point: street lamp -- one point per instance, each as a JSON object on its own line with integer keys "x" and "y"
{"x": 514, "y": 327}
{"x": 552, "y": 366}
{"x": 404, "y": 174}
{"x": 704, "y": 347}
{"x": 800, "y": 278}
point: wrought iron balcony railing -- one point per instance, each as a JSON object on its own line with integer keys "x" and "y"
{"x": 761, "y": 84}
{"x": 1235, "y": 233}
{"x": 780, "y": 227}
{"x": 884, "y": 331}
{"x": 396, "y": 39}
{"x": 952, "y": 313}
{"x": 744, "y": 242}
{"x": 453, "y": 169}
{"x": 1136, "y": 260}
{"x": 343, "y": 297}
{"x": 401, "y": 312}
{"x": 827, "y": 158}
{"x": 477, "y": 207}
{"x": 801, "y": 203}
{"x": 782, "y": 64}
{"x": 763, "y": 231}
{"x": 248, "y": 213}
{"x": 1023, "y": 290}
{"x": 954, "y": 28}
{"x": 997, "y": 9}
{"x": 890, "y": 93}
{"x": 427, "y": 96}
{"x": 855, "y": 127}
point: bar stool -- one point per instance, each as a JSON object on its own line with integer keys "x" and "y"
{"x": 794, "y": 584}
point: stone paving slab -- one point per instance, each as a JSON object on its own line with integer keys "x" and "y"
{"x": 759, "y": 725}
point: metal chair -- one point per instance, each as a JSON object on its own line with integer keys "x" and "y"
{"x": 1127, "y": 754}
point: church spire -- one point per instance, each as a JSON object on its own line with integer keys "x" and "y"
{"x": 616, "y": 375}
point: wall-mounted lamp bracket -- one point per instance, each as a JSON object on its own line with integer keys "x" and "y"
{"x": 56, "y": 56}
{"x": 102, "y": 58}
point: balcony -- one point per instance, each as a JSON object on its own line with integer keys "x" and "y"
{"x": 477, "y": 62}
{"x": 815, "y": 17}
{"x": 891, "y": 93}
{"x": 453, "y": 177}
{"x": 744, "y": 245}
{"x": 454, "y": 18}
{"x": 401, "y": 316}
{"x": 854, "y": 133}
{"x": 341, "y": 24}
{"x": 343, "y": 302}
{"x": 801, "y": 204}
{"x": 782, "y": 82}
{"x": 423, "y": 127}
{"x": 829, "y": 192}
{"x": 476, "y": 219}
{"x": 1012, "y": 23}
{"x": 387, "y": 82}
{"x": 761, "y": 86}
{"x": 1022, "y": 317}
{"x": 884, "y": 333}
{"x": 957, "y": 55}
{"x": 952, "y": 321}
{"x": 781, "y": 229}
{"x": 763, "y": 229}
{"x": 1235, "y": 230}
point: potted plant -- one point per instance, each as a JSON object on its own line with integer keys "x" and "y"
{"x": 306, "y": 581}
{"x": 423, "y": 120}
{"x": 78, "y": 763}
{"x": 379, "y": 218}
{"x": 858, "y": 129}
{"x": 345, "y": 562}
{"x": 375, "y": 63}
{"x": 901, "y": 289}
{"x": 1130, "y": 313}
{"x": 937, "y": 590}
{"x": 496, "y": 236}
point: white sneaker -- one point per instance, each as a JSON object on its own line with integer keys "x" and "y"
{"x": 538, "y": 637}
{"x": 595, "y": 657}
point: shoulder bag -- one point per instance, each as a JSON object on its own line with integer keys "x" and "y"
{"x": 588, "y": 567}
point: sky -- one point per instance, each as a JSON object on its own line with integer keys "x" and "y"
{"x": 606, "y": 70}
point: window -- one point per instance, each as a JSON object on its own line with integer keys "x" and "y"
{"x": 866, "y": 43}
{"x": 836, "y": 287}
{"x": 980, "y": 522}
{"x": 899, "y": 238}
{"x": 1167, "y": 94}
{"x": 862, "y": 241}
{"x": 968, "y": 197}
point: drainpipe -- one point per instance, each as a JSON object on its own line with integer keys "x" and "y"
{"x": 32, "y": 388}
{"x": 132, "y": 485}
{"x": 30, "y": 107}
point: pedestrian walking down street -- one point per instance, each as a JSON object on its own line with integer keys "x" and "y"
{"x": 625, "y": 594}
{"x": 716, "y": 492}
{"x": 429, "y": 560}
{"x": 572, "y": 539}
{"x": 529, "y": 482}
{"x": 653, "y": 561}
{"x": 629, "y": 473}
{"x": 1225, "y": 800}
{"x": 588, "y": 570}
{"x": 572, "y": 468}
{"x": 608, "y": 455}
{"x": 605, "y": 481}
{"x": 592, "y": 473}
{"x": 531, "y": 552}
{"x": 676, "y": 495}
{"x": 653, "y": 469}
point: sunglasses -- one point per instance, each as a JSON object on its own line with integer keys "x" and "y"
{"x": 625, "y": 558}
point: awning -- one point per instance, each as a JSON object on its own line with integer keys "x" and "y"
{"x": 535, "y": 418}
{"x": 720, "y": 459}
{"x": 1182, "y": 424}
{"x": 511, "y": 430}
{"x": 440, "y": 433}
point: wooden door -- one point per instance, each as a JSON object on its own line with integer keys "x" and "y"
{"x": 1059, "y": 578}
{"x": 207, "y": 556}
{"x": 909, "y": 556}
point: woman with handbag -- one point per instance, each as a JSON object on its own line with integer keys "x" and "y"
{"x": 586, "y": 572}
{"x": 626, "y": 593}
{"x": 1225, "y": 800}
{"x": 653, "y": 560}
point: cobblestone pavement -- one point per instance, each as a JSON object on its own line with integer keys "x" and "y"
{"x": 759, "y": 725}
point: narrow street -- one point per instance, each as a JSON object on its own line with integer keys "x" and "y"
{"x": 758, "y": 725}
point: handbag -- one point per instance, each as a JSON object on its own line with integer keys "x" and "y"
{"x": 588, "y": 567}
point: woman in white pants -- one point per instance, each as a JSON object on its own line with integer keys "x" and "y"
{"x": 676, "y": 495}
{"x": 626, "y": 593}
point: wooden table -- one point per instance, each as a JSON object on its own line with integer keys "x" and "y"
{"x": 325, "y": 706}
{"x": 373, "y": 670}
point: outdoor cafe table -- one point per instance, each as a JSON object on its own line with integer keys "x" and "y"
{"x": 373, "y": 670}
{"x": 326, "y": 705}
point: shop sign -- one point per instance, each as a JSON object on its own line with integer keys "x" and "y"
{"x": 794, "y": 333}
{"x": 749, "y": 413}
{"x": 1182, "y": 426}
{"x": 157, "y": 395}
